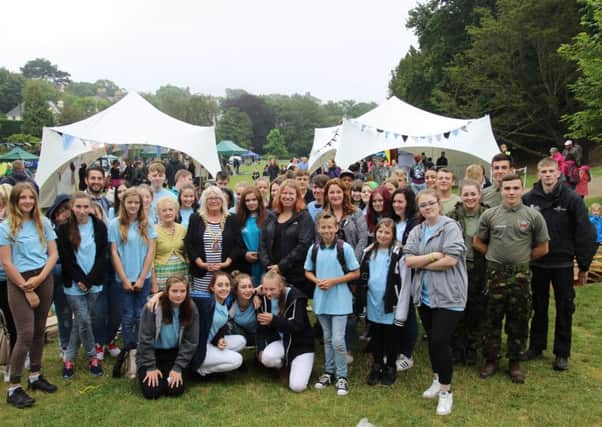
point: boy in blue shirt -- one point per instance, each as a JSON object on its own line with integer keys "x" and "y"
{"x": 596, "y": 219}
{"x": 331, "y": 264}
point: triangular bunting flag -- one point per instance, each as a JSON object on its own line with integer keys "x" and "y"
{"x": 446, "y": 135}
{"x": 404, "y": 137}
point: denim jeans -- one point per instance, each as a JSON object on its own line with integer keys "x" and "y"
{"x": 63, "y": 312}
{"x": 335, "y": 350}
{"x": 107, "y": 310}
{"x": 81, "y": 332}
{"x": 132, "y": 304}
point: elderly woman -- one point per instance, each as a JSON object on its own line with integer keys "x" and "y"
{"x": 436, "y": 251}
{"x": 213, "y": 241}
{"x": 286, "y": 237}
{"x": 170, "y": 257}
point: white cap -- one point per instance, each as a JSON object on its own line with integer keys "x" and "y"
{"x": 568, "y": 142}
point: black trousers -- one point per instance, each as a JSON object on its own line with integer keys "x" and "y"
{"x": 384, "y": 342}
{"x": 440, "y": 324}
{"x": 10, "y": 323}
{"x": 564, "y": 295}
{"x": 164, "y": 360}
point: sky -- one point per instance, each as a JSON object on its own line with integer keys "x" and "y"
{"x": 334, "y": 49}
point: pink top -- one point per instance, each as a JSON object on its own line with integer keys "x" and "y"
{"x": 582, "y": 186}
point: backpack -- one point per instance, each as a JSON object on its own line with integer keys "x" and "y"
{"x": 340, "y": 255}
{"x": 573, "y": 176}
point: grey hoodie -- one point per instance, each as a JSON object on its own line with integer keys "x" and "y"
{"x": 447, "y": 288}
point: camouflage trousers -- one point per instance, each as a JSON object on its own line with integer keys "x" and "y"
{"x": 508, "y": 296}
{"x": 471, "y": 328}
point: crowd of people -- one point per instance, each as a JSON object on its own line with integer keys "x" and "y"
{"x": 194, "y": 276}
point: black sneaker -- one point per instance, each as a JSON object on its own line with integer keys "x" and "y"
{"x": 532, "y": 355}
{"x": 19, "y": 399}
{"x": 95, "y": 367}
{"x": 323, "y": 381}
{"x": 561, "y": 364}
{"x": 68, "y": 369}
{"x": 375, "y": 375}
{"x": 42, "y": 385}
{"x": 389, "y": 375}
{"x": 342, "y": 387}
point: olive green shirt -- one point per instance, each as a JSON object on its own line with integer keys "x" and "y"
{"x": 450, "y": 204}
{"x": 511, "y": 233}
{"x": 491, "y": 196}
{"x": 471, "y": 224}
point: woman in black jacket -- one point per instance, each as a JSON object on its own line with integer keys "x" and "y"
{"x": 287, "y": 236}
{"x": 284, "y": 335}
{"x": 213, "y": 240}
{"x": 82, "y": 245}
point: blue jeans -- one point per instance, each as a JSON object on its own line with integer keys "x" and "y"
{"x": 107, "y": 310}
{"x": 81, "y": 332}
{"x": 335, "y": 350}
{"x": 63, "y": 312}
{"x": 132, "y": 304}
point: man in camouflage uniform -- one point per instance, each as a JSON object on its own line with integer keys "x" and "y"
{"x": 510, "y": 235}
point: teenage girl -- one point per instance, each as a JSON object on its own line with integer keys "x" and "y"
{"x": 28, "y": 254}
{"x": 132, "y": 245}
{"x": 251, "y": 214}
{"x": 242, "y": 311}
{"x": 147, "y": 203}
{"x": 187, "y": 201}
{"x": 114, "y": 210}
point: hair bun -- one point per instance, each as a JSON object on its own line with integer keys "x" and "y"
{"x": 235, "y": 273}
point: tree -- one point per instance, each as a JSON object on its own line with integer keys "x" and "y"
{"x": 586, "y": 51}
{"x": 81, "y": 89}
{"x": 236, "y": 126}
{"x": 20, "y": 138}
{"x": 275, "y": 146}
{"x": 11, "y": 85}
{"x": 258, "y": 111}
{"x": 79, "y": 108}
{"x": 202, "y": 110}
{"x": 43, "y": 69}
{"x": 35, "y": 104}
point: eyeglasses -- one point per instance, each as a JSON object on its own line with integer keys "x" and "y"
{"x": 428, "y": 204}
{"x": 213, "y": 199}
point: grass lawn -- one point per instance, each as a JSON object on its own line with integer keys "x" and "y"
{"x": 254, "y": 398}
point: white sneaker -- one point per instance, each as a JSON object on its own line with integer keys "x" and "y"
{"x": 403, "y": 363}
{"x": 433, "y": 390}
{"x": 446, "y": 402}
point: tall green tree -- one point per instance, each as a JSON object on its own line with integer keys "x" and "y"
{"x": 41, "y": 68}
{"x": 258, "y": 111}
{"x": 276, "y": 147}
{"x": 11, "y": 86}
{"x": 235, "y": 125}
{"x": 586, "y": 51}
{"x": 35, "y": 104}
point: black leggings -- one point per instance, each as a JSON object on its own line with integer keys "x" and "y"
{"x": 440, "y": 325}
{"x": 164, "y": 360}
{"x": 10, "y": 323}
{"x": 384, "y": 342}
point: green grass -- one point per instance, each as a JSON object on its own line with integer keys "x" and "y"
{"x": 254, "y": 398}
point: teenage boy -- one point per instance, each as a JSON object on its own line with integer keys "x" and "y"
{"x": 318, "y": 182}
{"x": 501, "y": 164}
{"x": 156, "y": 176}
{"x": 183, "y": 177}
{"x": 302, "y": 179}
{"x": 331, "y": 264}
{"x": 510, "y": 235}
{"x": 445, "y": 182}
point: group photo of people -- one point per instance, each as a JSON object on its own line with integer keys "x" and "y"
{"x": 169, "y": 283}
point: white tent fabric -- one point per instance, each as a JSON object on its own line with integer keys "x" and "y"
{"x": 326, "y": 143}
{"x": 132, "y": 120}
{"x": 396, "y": 124}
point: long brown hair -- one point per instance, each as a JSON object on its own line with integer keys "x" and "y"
{"x": 73, "y": 233}
{"x": 348, "y": 207}
{"x": 242, "y": 211}
{"x": 214, "y": 279}
{"x": 185, "y": 307}
{"x": 124, "y": 221}
{"x": 16, "y": 217}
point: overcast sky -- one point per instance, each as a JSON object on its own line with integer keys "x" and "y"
{"x": 335, "y": 49}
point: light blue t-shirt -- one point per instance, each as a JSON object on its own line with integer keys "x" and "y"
{"x": 111, "y": 213}
{"x": 400, "y": 228}
{"x": 27, "y": 251}
{"x": 377, "y": 285}
{"x": 132, "y": 252}
{"x": 84, "y": 256}
{"x": 246, "y": 319}
{"x": 314, "y": 209}
{"x": 169, "y": 333}
{"x": 185, "y": 213}
{"x": 220, "y": 317}
{"x": 338, "y": 299}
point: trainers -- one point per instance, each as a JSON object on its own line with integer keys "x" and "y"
{"x": 68, "y": 369}
{"x": 342, "y": 387}
{"x": 323, "y": 381}
{"x": 446, "y": 401}
{"x": 389, "y": 375}
{"x": 561, "y": 363}
{"x": 19, "y": 398}
{"x": 95, "y": 367}
{"x": 532, "y": 355}
{"x": 113, "y": 349}
{"x": 375, "y": 374}
{"x": 433, "y": 390}
{"x": 100, "y": 353}
{"x": 42, "y": 385}
{"x": 403, "y": 363}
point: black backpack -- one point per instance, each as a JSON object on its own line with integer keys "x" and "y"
{"x": 340, "y": 255}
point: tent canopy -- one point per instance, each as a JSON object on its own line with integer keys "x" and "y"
{"x": 132, "y": 120}
{"x": 396, "y": 124}
{"x": 229, "y": 148}
{"x": 17, "y": 153}
{"x": 250, "y": 154}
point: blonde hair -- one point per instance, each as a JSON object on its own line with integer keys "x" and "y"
{"x": 5, "y": 190}
{"x": 595, "y": 206}
{"x": 474, "y": 172}
{"x": 124, "y": 221}
{"x": 156, "y": 166}
{"x": 213, "y": 189}
{"x": 168, "y": 201}
{"x": 16, "y": 217}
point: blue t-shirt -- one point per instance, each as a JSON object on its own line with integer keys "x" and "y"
{"x": 27, "y": 251}
{"x": 169, "y": 333}
{"x": 111, "y": 213}
{"x": 400, "y": 228}
{"x": 377, "y": 285}
{"x": 338, "y": 299}
{"x": 246, "y": 319}
{"x": 597, "y": 221}
{"x": 250, "y": 236}
{"x": 185, "y": 213}
{"x": 220, "y": 317}
{"x": 314, "y": 209}
{"x": 133, "y": 251}
{"x": 84, "y": 256}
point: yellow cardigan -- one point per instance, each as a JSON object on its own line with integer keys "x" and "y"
{"x": 166, "y": 244}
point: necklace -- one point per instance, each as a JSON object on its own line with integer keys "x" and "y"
{"x": 216, "y": 237}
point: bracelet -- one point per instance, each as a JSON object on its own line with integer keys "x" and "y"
{"x": 432, "y": 257}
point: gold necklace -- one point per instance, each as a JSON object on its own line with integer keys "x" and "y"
{"x": 216, "y": 238}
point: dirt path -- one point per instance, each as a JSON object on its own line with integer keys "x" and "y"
{"x": 595, "y": 187}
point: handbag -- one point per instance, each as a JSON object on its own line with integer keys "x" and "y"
{"x": 4, "y": 341}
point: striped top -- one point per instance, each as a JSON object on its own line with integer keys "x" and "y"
{"x": 212, "y": 241}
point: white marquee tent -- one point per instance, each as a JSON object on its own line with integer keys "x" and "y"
{"x": 132, "y": 120}
{"x": 396, "y": 124}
